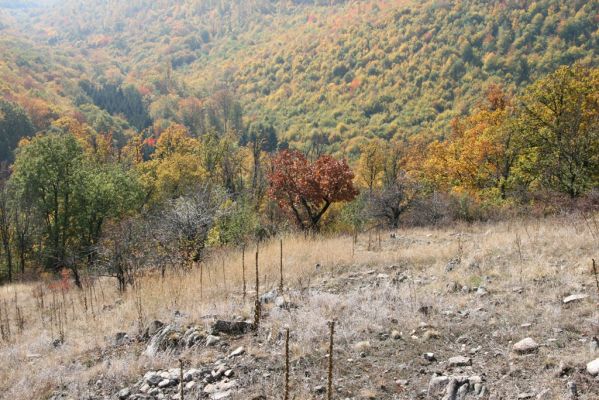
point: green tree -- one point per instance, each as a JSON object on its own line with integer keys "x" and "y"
{"x": 14, "y": 125}
{"x": 71, "y": 197}
{"x": 561, "y": 116}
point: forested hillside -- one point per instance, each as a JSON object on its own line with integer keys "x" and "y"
{"x": 331, "y": 71}
{"x": 201, "y": 123}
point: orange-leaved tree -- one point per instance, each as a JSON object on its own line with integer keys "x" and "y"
{"x": 306, "y": 190}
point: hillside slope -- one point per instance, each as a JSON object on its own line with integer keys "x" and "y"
{"x": 342, "y": 69}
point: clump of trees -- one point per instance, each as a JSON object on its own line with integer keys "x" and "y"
{"x": 91, "y": 194}
{"x": 507, "y": 154}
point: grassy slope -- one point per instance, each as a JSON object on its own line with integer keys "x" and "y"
{"x": 533, "y": 255}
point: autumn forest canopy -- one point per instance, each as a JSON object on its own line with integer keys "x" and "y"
{"x": 142, "y": 133}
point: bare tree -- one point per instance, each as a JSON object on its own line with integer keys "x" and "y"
{"x": 393, "y": 199}
{"x": 122, "y": 251}
{"x": 182, "y": 229}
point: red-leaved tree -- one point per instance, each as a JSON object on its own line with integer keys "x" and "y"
{"x": 306, "y": 190}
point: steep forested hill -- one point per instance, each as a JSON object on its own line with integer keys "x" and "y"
{"x": 332, "y": 71}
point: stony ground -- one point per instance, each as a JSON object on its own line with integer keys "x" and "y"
{"x": 477, "y": 315}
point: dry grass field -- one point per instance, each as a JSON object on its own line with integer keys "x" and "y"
{"x": 470, "y": 291}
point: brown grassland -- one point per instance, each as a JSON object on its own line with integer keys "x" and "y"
{"x": 527, "y": 267}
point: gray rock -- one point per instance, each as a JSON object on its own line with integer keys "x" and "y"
{"x": 212, "y": 340}
{"x": 237, "y": 352}
{"x": 574, "y": 298}
{"x": 437, "y": 384}
{"x": 320, "y": 389}
{"x": 231, "y": 327}
{"x": 124, "y": 393}
{"x": 221, "y": 395}
{"x": 121, "y": 338}
{"x": 482, "y": 291}
{"x": 165, "y": 383}
{"x": 269, "y": 297}
{"x": 527, "y": 395}
{"x": 168, "y": 337}
{"x": 573, "y": 390}
{"x": 190, "y": 385}
{"x": 152, "y": 378}
{"x": 153, "y": 329}
{"x": 459, "y": 361}
{"x": 452, "y": 264}
{"x": 524, "y": 346}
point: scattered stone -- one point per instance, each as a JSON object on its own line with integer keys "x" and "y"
{"x": 593, "y": 367}
{"x": 437, "y": 384}
{"x": 482, "y": 291}
{"x": 320, "y": 389}
{"x": 524, "y": 346}
{"x": 190, "y": 385}
{"x": 362, "y": 346}
{"x": 460, "y": 361}
{"x": 167, "y": 337}
{"x": 165, "y": 383}
{"x": 121, "y": 338}
{"x": 452, "y": 264}
{"x": 269, "y": 297}
{"x": 153, "y": 329}
{"x": 152, "y": 378}
{"x": 430, "y": 357}
{"x": 231, "y": 327}
{"x": 573, "y": 390}
{"x": 527, "y": 395}
{"x": 221, "y": 395}
{"x": 431, "y": 334}
{"x": 574, "y": 298}
{"x": 237, "y": 352}
{"x": 124, "y": 393}
{"x": 192, "y": 336}
{"x": 212, "y": 340}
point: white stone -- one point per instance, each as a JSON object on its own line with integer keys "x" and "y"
{"x": 575, "y": 297}
{"x": 593, "y": 367}
{"x": 526, "y": 346}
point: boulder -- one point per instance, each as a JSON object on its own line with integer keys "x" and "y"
{"x": 231, "y": 327}
{"x": 167, "y": 338}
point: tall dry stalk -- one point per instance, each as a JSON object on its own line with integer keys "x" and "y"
{"x": 243, "y": 272}
{"x": 286, "y": 396}
{"x": 257, "y": 300}
{"x": 181, "y": 394}
{"x": 281, "y": 267}
{"x": 330, "y": 369}
{"x": 139, "y": 306}
{"x": 224, "y": 276}
{"x": 596, "y": 273}
{"x": 201, "y": 281}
